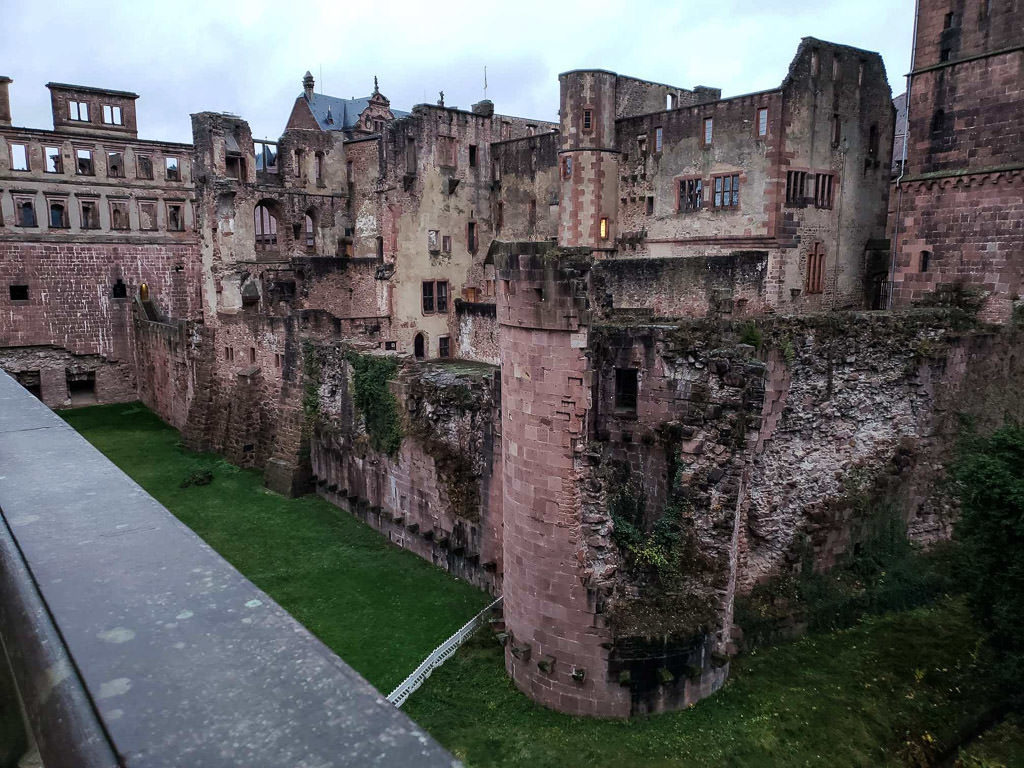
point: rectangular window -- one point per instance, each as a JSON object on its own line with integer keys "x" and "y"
{"x": 432, "y": 240}
{"x": 83, "y": 162}
{"x": 796, "y": 187}
{"x": 658, "y": 135}
{"x": 446, "y": 149}
{"x": 604, "y": 228}
{"x": 837, "y": 130}
{"x": 444, "y": 347}
{"x": 90, "y": 214}
{"x": 266, "y": 156}
{"x": 173, "y": 169}
{"x": 54, "y": 163}
{"x": 278, "y": 360}
{"x": 446, "y": 244}
{"x": 709, "y": 130}
{"x": 588, "y": 119}
{"x": 442, "y": 295}
{"x": 175, "y": 217}
{"x": 727, "y": 191}
{"x": 435, "y": 296}
{"x": 144, "y": 166}
{"x": 19, "y": 292}
{"x": 147, "y": 215}
{"x": 650, "y": 205}
{"x": 823, "y": 190}
{"x": 25, "y": 212}
{"x": 79, "y": 111}
{"x": 252, "y": 355}
{"x": 229, "y": 354}
{"x": 566, "y": 166}
{"x": 472, "y": 155}
{"x": 626, "y": 388}
{"x": 349, "y": 173}
{"x": 816, "y": 269}
{"x": 112, "y": 115}
{"x": 58, "y": 210}
{"x": 19, "y": 157}
{"x": 641, "y": 144}
{"x": 115, "y": 165}
{"x": 119, "y": 215}
{"x": 428, "y": 297}
{"x": 762, "y": 121}
{"x": 691, "y": 194}
{"x": 471, "y": 237}
{"x": 319, "y": 169}
{"x": 234, "y": 167}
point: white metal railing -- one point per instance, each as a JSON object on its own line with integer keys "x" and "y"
{"x": 441, "y": 654}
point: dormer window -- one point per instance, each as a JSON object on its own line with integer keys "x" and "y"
{"x": 112, "y": 115}
{"x": 78, "y": 111}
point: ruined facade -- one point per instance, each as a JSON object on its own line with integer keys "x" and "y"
{"x": 618, "y": 369}
{"x": 958, "y": 208}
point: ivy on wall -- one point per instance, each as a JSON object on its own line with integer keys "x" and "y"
{"x": 375, "y": 401}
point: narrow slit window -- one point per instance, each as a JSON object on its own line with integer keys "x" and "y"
{"x": 588, "y": 119}
{"x": 816, "y": 269}
{"x": 762, "y": 121}
{"x": 709, "y": 130}
{"x": 658, "y": 139}
{"x": 604, "y": 228}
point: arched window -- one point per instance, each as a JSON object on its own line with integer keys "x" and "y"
{"x": 310, "y": 237}
{"x": 265, "y": 227}
{"x": 419, "y": 346}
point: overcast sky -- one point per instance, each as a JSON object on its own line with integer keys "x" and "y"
{"x": 248, "y": 57}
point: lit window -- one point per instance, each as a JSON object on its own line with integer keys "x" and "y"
{"x": 709, "y": 126}
{"x": 19, "y": 157}
{"x": 53, "y": 160}
{"x": 604, "y": 227}
{"x": 79, "y": 111}
{"x": 112, "y": 115}
{"x": 762, "y": 121}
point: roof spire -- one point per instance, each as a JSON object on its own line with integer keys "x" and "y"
{"x": 307, "y": 85}
{"x": 376, "y": 90}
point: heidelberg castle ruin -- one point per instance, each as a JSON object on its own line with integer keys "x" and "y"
{"x": 619, "y": 368}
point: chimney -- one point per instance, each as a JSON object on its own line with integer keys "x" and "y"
{"x": 484, "y": 108}
{"x": 307, "y": 86}
{"x": 5, "y": 101}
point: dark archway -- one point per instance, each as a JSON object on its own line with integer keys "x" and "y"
{"x": 418, "y": 346}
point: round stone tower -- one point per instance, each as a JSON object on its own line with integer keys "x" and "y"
{"x": 588, "y": 160}
{"x": 558, "y": 646}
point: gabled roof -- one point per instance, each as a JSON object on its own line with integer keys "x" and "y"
{"x": 344, "y": 113}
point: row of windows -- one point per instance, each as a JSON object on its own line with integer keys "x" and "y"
{"x": 58, "y": 214}
{"x": 85, "y": 165}
{"x": 20, "y": 293}
{"x": 229, "y": 356}
{"x": 78, "y": 111}
{"x": 265, "y": 229}
{"x": 724, "y": 192}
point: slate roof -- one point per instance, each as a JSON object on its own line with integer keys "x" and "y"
{"x": 344, "y": 112}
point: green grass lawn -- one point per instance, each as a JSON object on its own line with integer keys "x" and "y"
{"x": 380, "y": 608}
{"x": 894, "y": 690}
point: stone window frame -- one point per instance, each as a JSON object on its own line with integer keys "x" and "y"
{"x": 472, "y": 237}
{"x": 735, "y": 180}
{"x": 690, "y": 187}
{"x": 587, "y": 122}
{"x": 707, "y": 131}
{"x": 604, "y": 228}
{"x": 168, "y": 160}
{"x": 444, "y": 346}
{"x": 141, "y": 156}
{"x": 62, "y": 201}
{"x": 76, "y": 107}
{"x": 113, "y": 110}
{"x": 94, "y": 201}
{"x": 431, "y": 294}
{"x": 79, "y": 159}
{"x": 627, "y": 398}
{"x": 659, "y": 139}
{"x": 19, "y": 205}
{"x": 169, "y": 205}
{"x": 758, "y": 112}
{"x": 147, "y": 204}
{"x": 120, "y": 201}
{"x": 814, "y": 283}
{"x": 824, "y": 193}
{"x": 566, "y": 166}
{"x": 59, "y": 165}
{"x": 446, "y": 243}
{"x": 28, "y": 156}
{"x": 447, "y": 151}
{"x": 118, "y": 162}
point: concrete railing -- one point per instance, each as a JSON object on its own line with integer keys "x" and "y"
{"x": 132, "y": 643}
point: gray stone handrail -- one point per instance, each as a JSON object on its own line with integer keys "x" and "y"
{"x": 133, "y": 643}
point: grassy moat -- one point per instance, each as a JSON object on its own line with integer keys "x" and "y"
{"x": 902, "y": 689}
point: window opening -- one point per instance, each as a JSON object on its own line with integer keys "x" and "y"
{"x": 626, "y": 388}
{"x": 266, "y": 228}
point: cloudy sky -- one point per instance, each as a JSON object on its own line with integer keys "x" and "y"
{"x": 249, "y": 57}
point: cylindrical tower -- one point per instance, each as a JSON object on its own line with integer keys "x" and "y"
{"x": 588, "y": 160}
{"x": 558, "y": 647}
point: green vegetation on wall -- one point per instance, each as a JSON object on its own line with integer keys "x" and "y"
{"x": 312, "y": 375}
{"x": 375, "y": 401}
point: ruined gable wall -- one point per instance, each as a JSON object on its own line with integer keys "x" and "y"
{"x": 527, "y": 172}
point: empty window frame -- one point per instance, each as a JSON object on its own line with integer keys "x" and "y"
{"x": 90, "y": 214}
{"x": 444, "y": 347}
{"x": 796, "y": 187}
{"x": 691, "y": 194}
{"x": 112, "y": 115}
{"x": 25, "y": 212}
{"x": 18, "y": 292}
{"x": 119, "y": 215}
{"x": 78, "y": 111}
{"x": 762, "y": 121}
{"x": 310, "y": 234}
{"x": 234, "y": 166}
{"x": 320, "y": 169}
{"x": 115, "y": 165}
{"x": 588, "y": 120}
{"x": 147, "y": 215}
{"x": 726, "y": 190}
{"x": 823, "y": 184}
{"x": 144, "y": 166}
{"x": 265, "y": 224}
{"x": 446, "y": 151}
{"x": 229, "y": 354}
{"x": 925, "y": 262}
{"x": 278, "y": 360}
{"x": 435, "y": 296}
{"x": 266, "y": 156}
{"x": 566, "y": 166}
{"x": 83, "y": 162}
{"x": 471, "y": 237}
{"x": 119, "y": 290}
{"x": 252, "y": 355}
{"x": 19, "y": 157}
{"x": 658, "y": 139}
{"x": 627, "y": 387}
{"x": 54, "y": 163}
{"x": 650, "y": 205}
{"x": 172, "y": 168}
{"x": 446, "y": 244}
{"x": 709, "y": 130}
{"x": 472, "y": 156}
{"x": 58, "y": 214}
{"x": 815, "y": 269}
{"x": 175, "y": 217}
